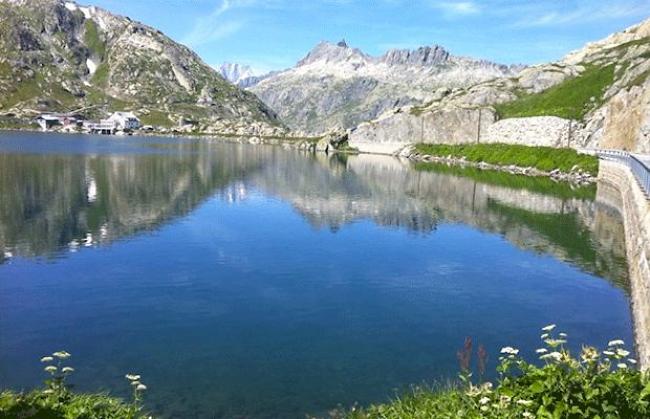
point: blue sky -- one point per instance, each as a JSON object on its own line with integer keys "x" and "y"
{"x": 274, "y": 34}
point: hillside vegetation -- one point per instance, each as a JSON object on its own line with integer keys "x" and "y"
{"x": 571, "y": 99}
{"x": 594, "y": 384}
{"x": 542, "y": 158}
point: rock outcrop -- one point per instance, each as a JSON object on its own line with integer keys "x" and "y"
{"x": 548, "y": 131}
{"x": 396, "y": 129}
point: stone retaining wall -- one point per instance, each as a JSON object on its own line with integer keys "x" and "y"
{"x": 636, "y": 216}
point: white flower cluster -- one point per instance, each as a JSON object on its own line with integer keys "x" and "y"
{"x": 135, "y": 383}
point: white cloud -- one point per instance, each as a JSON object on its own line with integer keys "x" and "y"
{"x": 582, "y": 13}
{"x": 457, "y": 8}
{"x": 212, "y": 27}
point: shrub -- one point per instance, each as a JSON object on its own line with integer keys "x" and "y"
{"x": 593, "y": 385}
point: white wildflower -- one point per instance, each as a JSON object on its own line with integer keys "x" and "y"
{"x": 509, "y": 350}
{"x": 527, "y": 415}
{"x": 622, "y": 365}
{"x": 525, "y": 402}
{"x": 632, "y": 361}
{"x": 549, "y": 327}
{"x": 555, "y": 356}
{"x": 484, "y": 400}
{"x": 617, "y": 342}
{"x": 51, "y": 369}
{"x": 541, "y": 351}
{"x": 132, "y": 377}
{"x": 47, "y": 359}
{"x": 622, "y": 352}
{"x": 609, "y": 353}
{"x": 61, "y": 355}
{"x": 66, "y": 370}
{"x": 141, "y": 387}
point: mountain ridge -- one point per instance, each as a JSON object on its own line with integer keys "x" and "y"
{"x": 336, "y": 85}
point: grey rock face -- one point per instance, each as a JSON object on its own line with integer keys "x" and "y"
{"x": 336, "y": 85}
{"x": 423, "y": 56}
{"x": 392, "y": 132}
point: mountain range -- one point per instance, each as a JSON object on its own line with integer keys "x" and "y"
{"x": 56, "y": 55}
{"x": 594, "y": 97}
{"x": 336, "y": 85}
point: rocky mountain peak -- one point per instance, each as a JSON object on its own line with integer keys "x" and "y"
{"x": 424, "y": 56}
{"x": 328, "y": 52}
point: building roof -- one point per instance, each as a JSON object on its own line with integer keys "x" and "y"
{"x": 125, "y": 115}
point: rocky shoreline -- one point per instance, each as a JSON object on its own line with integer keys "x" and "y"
{"x": 337, "y": 142}
{"x": 576, "y": 176}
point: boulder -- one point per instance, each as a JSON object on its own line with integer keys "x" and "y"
{"x": 332, "y": 141}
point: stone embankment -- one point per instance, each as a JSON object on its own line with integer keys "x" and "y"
{"x": 464, "y": 125}
{"x": 619, "y": 188}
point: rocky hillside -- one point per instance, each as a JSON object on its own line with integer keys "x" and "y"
{"x": 597, "y": 97}
{"x": 58, "y": 56}
{"x": 339, "y": 86}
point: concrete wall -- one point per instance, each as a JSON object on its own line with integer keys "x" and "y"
{"x": 617, "y": 178}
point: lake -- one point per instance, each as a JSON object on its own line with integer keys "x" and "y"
{"x": 259, "y": 282}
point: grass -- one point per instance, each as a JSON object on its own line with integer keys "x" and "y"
{"x": 100, "y": 78}
{"x": 157, "y": 119}
{"x": 558, "y": 385}
{"x": 41, "y": 405}
{"x": 25, "y": 90}
{"x": 93, "y": 40}
{"x": 56, "y": 401}
{"x": 542, "y": 158}
{"x": 542, "y": 185}
{"x": 571, "y": 99}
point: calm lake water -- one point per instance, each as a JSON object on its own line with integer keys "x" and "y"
{"x": 257, "y": 282}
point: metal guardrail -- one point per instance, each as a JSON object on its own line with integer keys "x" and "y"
{"x": 639, "y": 168}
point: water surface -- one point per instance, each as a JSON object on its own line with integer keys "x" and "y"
{"x": 253, "y": 281}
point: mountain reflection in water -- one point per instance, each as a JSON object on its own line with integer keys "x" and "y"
{"x": 56, "y": 203}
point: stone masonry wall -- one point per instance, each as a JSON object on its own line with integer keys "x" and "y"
{"x": 635, "y": 209}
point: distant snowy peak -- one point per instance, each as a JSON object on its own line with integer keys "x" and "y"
{"x": 235, "y": 73}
